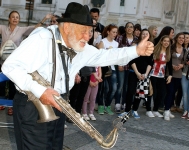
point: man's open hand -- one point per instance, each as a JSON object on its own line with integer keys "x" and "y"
{"x": 47, "y": 98}
{"x": 145, "y": 47}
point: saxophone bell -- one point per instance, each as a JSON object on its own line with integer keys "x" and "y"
{"x": 46, "y": 113}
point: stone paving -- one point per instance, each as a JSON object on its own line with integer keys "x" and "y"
{"x": 142, "y": 134}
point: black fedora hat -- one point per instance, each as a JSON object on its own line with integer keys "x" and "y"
{"x": 77, "y": 13}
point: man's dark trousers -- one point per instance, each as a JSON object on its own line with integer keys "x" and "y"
{"x": 31, "y": 135}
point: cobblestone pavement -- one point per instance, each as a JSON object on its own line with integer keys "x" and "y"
{"x": 142, "y": 134}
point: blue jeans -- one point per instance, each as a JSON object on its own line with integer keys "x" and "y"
{"x": 112, "y": 83}
{"x": 185, "y": 91}
{"x": 122, "y": 79}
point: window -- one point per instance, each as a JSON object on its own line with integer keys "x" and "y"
{"x": 46, "y": 1}
{"x": 97, "y": 3}
{"x": 122, "y": 2}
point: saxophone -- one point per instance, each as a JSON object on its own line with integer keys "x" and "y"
{"x": 47, "y": 114}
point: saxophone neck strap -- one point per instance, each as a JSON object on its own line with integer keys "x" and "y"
{"x": 65, "y": 67}
{"x": 53, "y": 60}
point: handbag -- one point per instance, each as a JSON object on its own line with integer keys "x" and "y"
{"x": 7, "y": 49}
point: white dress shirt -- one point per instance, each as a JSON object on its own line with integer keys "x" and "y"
{"x": 35, "y": 53}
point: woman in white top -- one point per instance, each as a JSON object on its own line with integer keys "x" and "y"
{"x": 110, "y": 32}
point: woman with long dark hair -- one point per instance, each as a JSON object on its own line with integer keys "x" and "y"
{"x": 177, "y": 53}
{"x": 165, "y": 31}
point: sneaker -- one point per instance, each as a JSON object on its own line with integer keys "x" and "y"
{"x": 173, "y": 109}
{"x": 179, "y": 110}
{"x": 171, "y": 115}
{"x": 150, "y": 114}
{"x": 157, "y": 114}
{"x": 117, "y": 108}
{"x": 101, "y": 110}
{"x": 122, "y": 114}
{"x": 123, "y": 107}
{"x": 85, "y": 116}
{"x": 117, "y": 111}
{"x": 92, "y": 117}
{"x": 2, "y": 107}
{"x": 65, "y": 126}
{"x": 185, "y": 115}
{"x": 108, "y": 110}
{"x": 166, "y": 115}
{"x": 135, "y": 114}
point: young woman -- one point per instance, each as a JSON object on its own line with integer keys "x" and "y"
{"x": 162, "y": 61}
{"x": 16, "y": 34}
{"x": 179, "y": 94}
{"x": 186, "y": 41}
{"x": 126, "y": 39}
{"x": 110, "y": 32}
{"x": 165, "y": 31}
{"x": 153, "y": 32}
{"x": 177, "y": 53}
{"x": 90, "y": 95}
{"x": 185, "y": 78}
{"x": 137, "y": 30}
{"x": 139, "y": 70}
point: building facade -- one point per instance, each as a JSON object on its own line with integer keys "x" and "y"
{"x": 161, "y": 13}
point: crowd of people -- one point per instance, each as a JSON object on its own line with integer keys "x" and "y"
{"x": 166, "y": 70}
{"x": 63, "y": 54}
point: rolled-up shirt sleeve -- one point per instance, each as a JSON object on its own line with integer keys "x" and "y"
{"x": 30, "y": 56}
{"x": 28, "y": 30}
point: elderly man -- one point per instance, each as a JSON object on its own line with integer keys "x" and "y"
{"x": 35, "y": 54}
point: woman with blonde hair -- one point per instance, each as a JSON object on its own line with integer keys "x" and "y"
{"x": 162, "y": 60}
{"x": 153, "y": 32}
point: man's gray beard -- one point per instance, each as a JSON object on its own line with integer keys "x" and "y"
{"x": 74, "y": 43}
